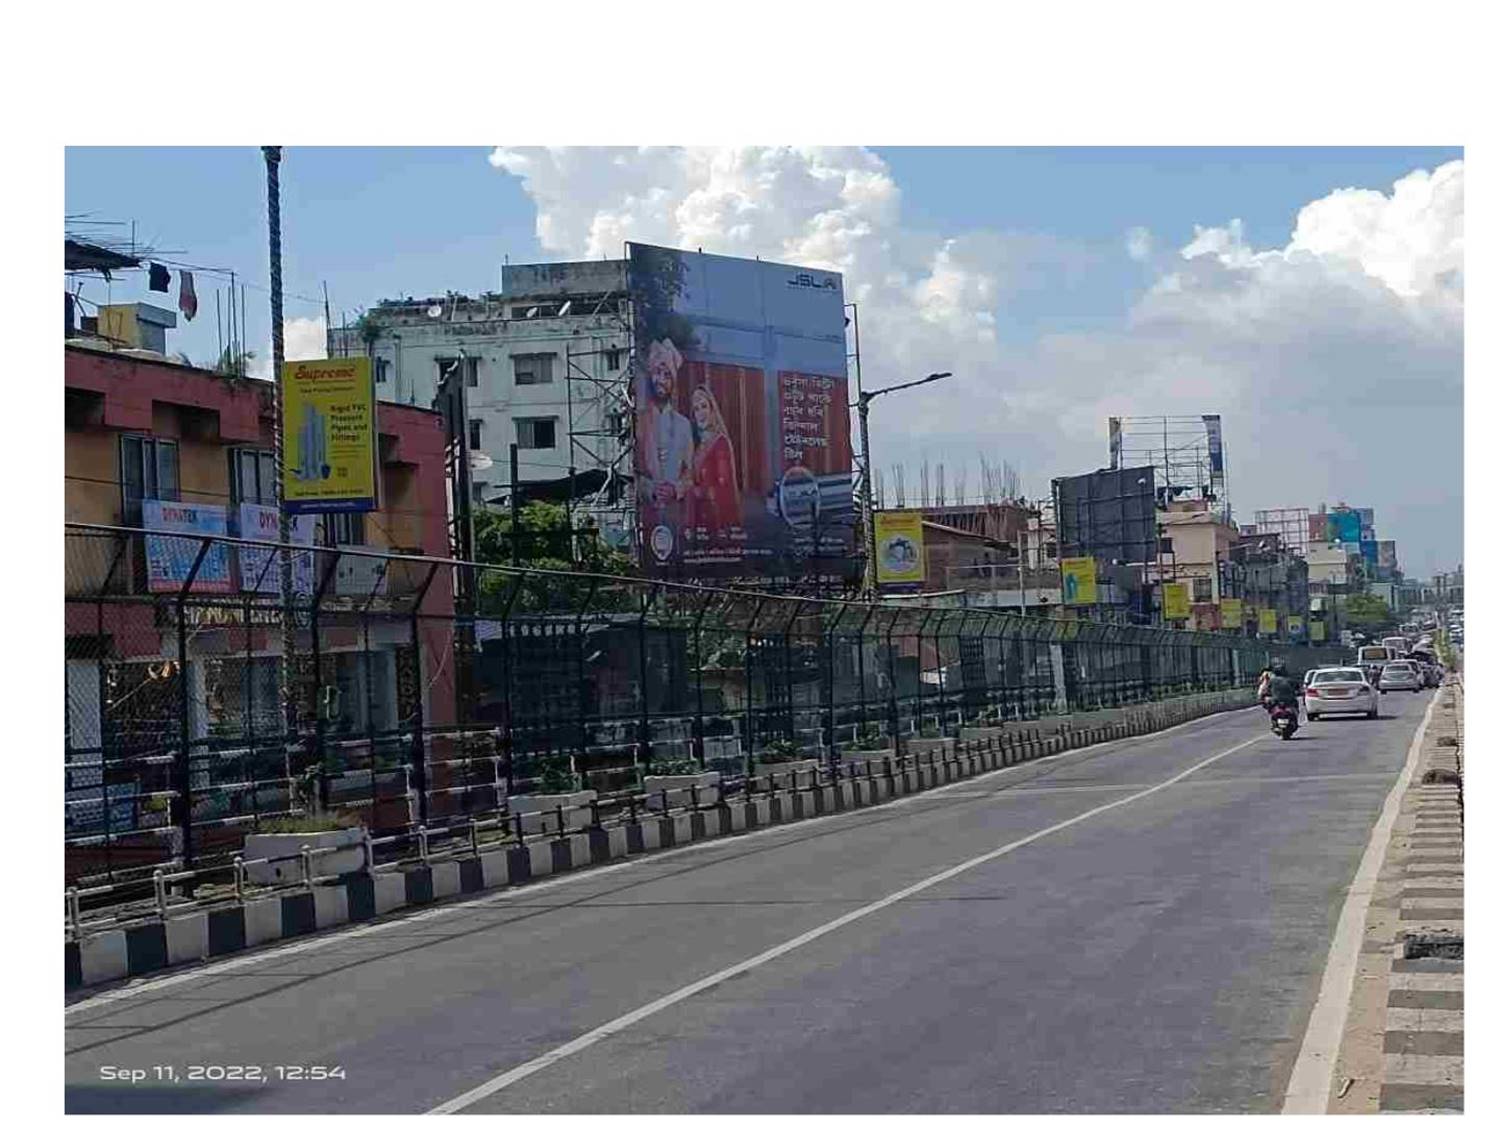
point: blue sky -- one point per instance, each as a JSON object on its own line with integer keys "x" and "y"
{"x": 1009, "y": 266}
{"x": 378, "y": 222}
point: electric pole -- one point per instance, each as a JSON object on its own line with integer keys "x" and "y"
{"x": 272, "y": 154}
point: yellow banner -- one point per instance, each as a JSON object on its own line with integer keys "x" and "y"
{"x": 1267, "y": 623}
{"x": 1232, "y": 613}
{"x": 329, "y": 414}
{"x": 1079, "y": 581}
{"x": 899, "y": 558}
{"x": 1294, "y": 625}
{"x": 1175, "y": 601}
{"x": 1317, "y": 631}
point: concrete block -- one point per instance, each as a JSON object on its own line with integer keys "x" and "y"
{"x": 187, "y": 938}
{"x": 495, "y": 867}
{"x": 445, "y": 880}
{"x": 103, "y": 957}
{"x": 390, "y": 891}
{"x": 541, "y": 857}
{"x": 262, "y": 920}
{"x": 582, "y": 855}
{"x": 330, "y": 907}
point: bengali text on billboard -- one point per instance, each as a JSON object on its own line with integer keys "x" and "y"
{"x": 329, "y": 414}
{"x": 742, "y": 450}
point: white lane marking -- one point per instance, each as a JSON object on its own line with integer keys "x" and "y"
{"x": 1311, "y": 1083}
{"x": 573, "y": 1047}
{"x": 234, "y": 964}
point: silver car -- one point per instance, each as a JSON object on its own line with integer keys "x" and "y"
{"x": 1340, "y": 691}
{"x": 1400, "y": 675}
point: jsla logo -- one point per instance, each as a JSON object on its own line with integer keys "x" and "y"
{"x": 808, "y": 281}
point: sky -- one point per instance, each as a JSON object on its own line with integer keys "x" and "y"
{"x": 1312, "y": 296}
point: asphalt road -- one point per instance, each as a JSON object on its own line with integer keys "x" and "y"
{"x": 1160, "y": 956}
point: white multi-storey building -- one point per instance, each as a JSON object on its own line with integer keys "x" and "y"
{"x": 544, "y": 364}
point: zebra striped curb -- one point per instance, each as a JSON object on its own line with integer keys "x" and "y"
{"x": 134, "y": 950}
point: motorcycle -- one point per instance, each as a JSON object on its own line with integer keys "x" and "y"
{"x": 1284, "y": 720}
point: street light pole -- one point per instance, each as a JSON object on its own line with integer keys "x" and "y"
{"x": 865, "y": 491}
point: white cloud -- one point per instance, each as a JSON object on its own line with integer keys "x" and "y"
{"x": 302, "y": 337}
{"x": 1336, "y": 359}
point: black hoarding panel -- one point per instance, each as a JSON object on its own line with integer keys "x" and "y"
{"x": 1110, "y": 514}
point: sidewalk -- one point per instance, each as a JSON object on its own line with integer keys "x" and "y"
{"x": 1403, "y": 1044}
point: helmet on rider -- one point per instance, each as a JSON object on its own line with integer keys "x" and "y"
{"x": 1278, "y": 667}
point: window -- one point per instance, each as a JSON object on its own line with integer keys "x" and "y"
{"x": 536, "y": 433}
{"x": 532, "y": 369}
{"x": 343, "y": 529}
{"x": 475, "y": 429}
{"x": 447, "y": 365}
{"x": 612, "y": 359}
{"x": 148, "y": 471}
{"x": 382, "y": 369}
{"x": 252, "y": 476}
{"x": 1203, "y": 589}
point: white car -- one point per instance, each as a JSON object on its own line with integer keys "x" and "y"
{"x": 1400, "y": 675}
{"x": 1340, "y": 691}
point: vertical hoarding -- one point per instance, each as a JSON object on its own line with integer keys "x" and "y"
{"x": 170, "y": 560}
{"x": 1294, "y": 625}
{"x": 1175, "y": 601}
{"x": 1116, "y": 443}
{"x": 1214, "y": 427}
{"x": 900, "y": 555}
{"x": 1079, "y": 581}
{"x": 1266, "y": 625}
{"x": 1232, "y": 613}
{"x": 330, "y": 440}
{"x": 1343, "y": 526}
{"x": 1317, "y": 632}
{"x": 742, "y": 451}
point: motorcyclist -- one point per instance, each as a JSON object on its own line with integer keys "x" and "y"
{"x": 1281, "y": 689}
{"x": 1263, "y": 687}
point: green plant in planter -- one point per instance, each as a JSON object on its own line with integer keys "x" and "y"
{"x": 309, "y": 822}
{"x": 674, "y": 767}
{"x": 557, "y": 778}
{"x": 865, "y": 744}
{"x": 779, "y": 750}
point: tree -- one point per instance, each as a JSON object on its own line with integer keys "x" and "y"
{"x": 1368, "y": 612}
{"x": 542, "y": 543}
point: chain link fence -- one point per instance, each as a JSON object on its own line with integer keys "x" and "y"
{"x": 427, "y": 692}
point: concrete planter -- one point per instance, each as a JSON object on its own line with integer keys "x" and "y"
{"x": 538, "y": 811}
{"x": 674, "y": 791}
{"x": 284, "y": 850}
{"x": 875, "y": 758}
{"x": 971, "y": 734}
{"x": 804, "y": 768}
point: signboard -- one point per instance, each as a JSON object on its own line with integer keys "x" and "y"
{"x": 260, "y": 570}
{"x": 742, "y": 453}
{"x": 1343, "y": 527}
{"x": 1267, "y": 623}
{"x": 330, "y": 442}
{"x": 1317, "y": 632}
{"x": 1175, "y": 601}
{"x": 899, "y": 555}
{"x": 1232, "y": 613}
{"x": 1110, "y": 515}
{"x": 170, "y": 560}
{"x": 1079, "y": 579}
{"x": 1294, "y": 624}
{"x": 1215, "y": 429}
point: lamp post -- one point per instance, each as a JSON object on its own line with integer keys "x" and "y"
{"x": 863, "y": 405}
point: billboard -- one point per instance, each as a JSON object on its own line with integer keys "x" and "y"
{"x": 1343, "y": 526}
{"x": 742, "y": 453}
{"x": 1317, "y": 632}
{"x": 169, "y": 561}
{"x": 1109, "y": 514}
{"x": 1215, "y": 429}
{"x": 329, "y": 417}
{"x": 1079, "y": 581}
{"x": 1294, "y": 624}
{"x": 1266, "y": 623}
{"x": 1175, "y": 600}
{"x": 260, "y": 570}
{"x": 1385, "y": 554}
{"x": 1232, "y": 613}
{"x": 1370, "y": 551}
{"x": 900, "y": 559}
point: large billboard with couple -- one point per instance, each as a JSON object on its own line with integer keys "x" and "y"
{"x": 742, "y": 452}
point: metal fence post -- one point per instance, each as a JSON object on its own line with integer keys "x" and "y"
{"x": 418, "y": 761}
{"x": 184, "y": 750}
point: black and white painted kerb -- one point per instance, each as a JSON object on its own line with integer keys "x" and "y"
{"x": 134, "y": 950}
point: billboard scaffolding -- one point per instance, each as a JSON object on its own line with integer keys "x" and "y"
{"x": 1186, "y": 450}
{"x": 1292, "y": 524}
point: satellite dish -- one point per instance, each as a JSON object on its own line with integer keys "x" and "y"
{"x": 479, "y": 462}
{"x": 434, "y": 311}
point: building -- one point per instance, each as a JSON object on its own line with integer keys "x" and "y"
{"x": 1272, "y": 578}
{"x": 543, "y": 364}
{"x": 140, "y": 428}
{"x": 1197, "y": 545}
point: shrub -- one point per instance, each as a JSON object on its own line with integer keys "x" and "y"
{"x": 557, "y": 778}
{"x": 779, "y": 750}
{"x": 674, "y": 767}
{"x": 309, "y": 822}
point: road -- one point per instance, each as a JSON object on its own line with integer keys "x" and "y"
{"x": 1161, "y": 955}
